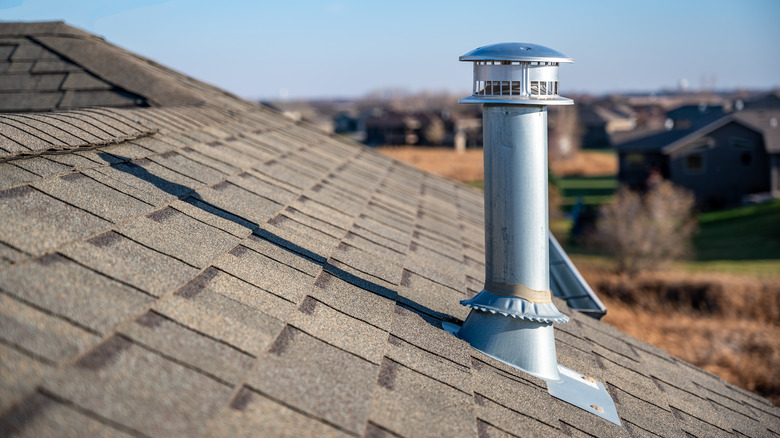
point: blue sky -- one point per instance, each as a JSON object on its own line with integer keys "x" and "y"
{"x": 347, "y": 48}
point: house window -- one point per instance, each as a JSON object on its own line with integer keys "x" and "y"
{"x": 745, "y": 149}
{"x": 694, "y": 163}
{"x": 635, "y": 161}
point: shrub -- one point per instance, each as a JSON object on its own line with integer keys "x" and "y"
{"x": 647, "y": 231}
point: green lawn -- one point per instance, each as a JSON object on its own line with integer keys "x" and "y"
{"x": 743, "y": 233}
{"x": 478, "y": 184}
{"x": 593, "y": 190}
{"x": 740, "y": 240}
{"x": 743, "y": 240}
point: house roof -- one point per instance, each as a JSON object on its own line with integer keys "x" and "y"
{"x": 213, "y": 269}
{"x": 766, "y": 121}
{"x": 769, "y": 101}
{"x": 669, "y": 141}
{"x": 653, "y": 141}
{"x": 696, "y": 115}
{"x": 51, "y": 65}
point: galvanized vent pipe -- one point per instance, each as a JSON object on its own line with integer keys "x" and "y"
{"x": 511, "y": 318}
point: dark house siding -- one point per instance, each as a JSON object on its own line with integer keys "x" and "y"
{"x": 635, "y": 167}
{"x": 722, "y": 167}
{"x": 776, "y": 175}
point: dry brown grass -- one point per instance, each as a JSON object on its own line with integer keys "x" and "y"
{"x": 726, "y": 324}
{"x": 461, "y": 166}
{"x": 467, "y": 166}
{"x": 586, "y": 163}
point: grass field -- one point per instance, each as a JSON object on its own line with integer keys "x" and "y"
{"x": 742, "y": 246}
{"x": 593, "y": 190}
{"x": 747, "y": 233}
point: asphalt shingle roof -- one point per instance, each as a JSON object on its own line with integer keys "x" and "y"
{"x": 216, "y": 270}
{"x": 33, "y": 77}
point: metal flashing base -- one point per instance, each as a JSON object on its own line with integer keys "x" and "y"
{"x": 585, "y": 393}
{"x": 572, "y": 387}
{"x": 523, "y": 344}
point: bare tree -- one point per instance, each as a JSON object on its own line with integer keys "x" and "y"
{"x": 435, "y": 132}
{"x": 647, "y": 231}
{"x": 564, "y": 132}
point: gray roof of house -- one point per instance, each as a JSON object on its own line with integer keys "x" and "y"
{"x": 766, "y": 121}
{"x": 653, "y": 141}
{"x": 212, "y": 269}
{"x": 762, "y": 121}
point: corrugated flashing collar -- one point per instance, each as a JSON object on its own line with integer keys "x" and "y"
{"x": 515, "y": 307}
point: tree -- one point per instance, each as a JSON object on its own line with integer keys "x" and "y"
{"x": 564, "y": 136}
{"x": 435, "y": 132}
{"x": 647, "y": 231}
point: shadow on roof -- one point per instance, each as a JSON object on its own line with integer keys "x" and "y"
{"x": 191, "y": 197}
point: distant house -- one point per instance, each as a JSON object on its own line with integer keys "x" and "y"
{"x": 769, "y": 101}
{"x": 599, "y": 122}
{"x": 397, "y": 128}
{"x": 720, "y": 161}
{"x": 392, "y": 129}
{"x": 693, "y": 116}
{"x": 466, "y": 131}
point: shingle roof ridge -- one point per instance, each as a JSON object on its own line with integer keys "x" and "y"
{"x": 31, "y": 134}
{"x": 41, "y": 28}
{"x": 158, "y": 84}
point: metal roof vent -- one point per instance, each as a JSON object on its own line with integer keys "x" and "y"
{"x": 515, "y": 73}
{"x": 512, "y": 318}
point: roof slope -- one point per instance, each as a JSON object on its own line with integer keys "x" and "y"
{"x": 51, "y": 65}
{"x": 216, "y": 270}
{"x": 765, "y": 121}
{"x": 35, "y": 78}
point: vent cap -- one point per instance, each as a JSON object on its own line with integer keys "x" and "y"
{"x": 516, "y": 73}
{"x": 515, "y": 52}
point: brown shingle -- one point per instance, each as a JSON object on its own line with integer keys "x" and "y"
{"x": 72, "y": 292}
{"x": 41, "y": 334}
{"x": 213, "y": 357}
{"x": 134, "y": 386}
{"x": 411, "y": 404}
{"x": 132, "y": 263}
{"x": 318, "y": 379}
{"x": 36, "y": 223}
{"x": 256, "y": 413}
{"x": 180, "y": 236}
{"x": 86, "y": 193}
{"x": 83, "y": 81}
